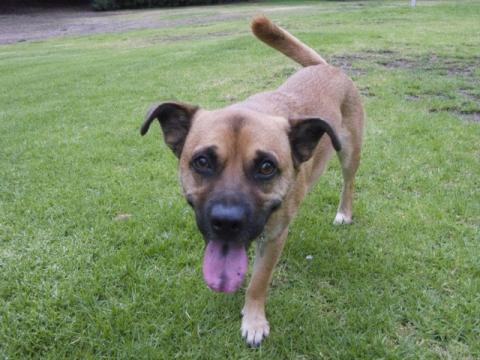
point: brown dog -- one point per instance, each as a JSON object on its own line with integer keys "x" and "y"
{"x": 245, "y": 168}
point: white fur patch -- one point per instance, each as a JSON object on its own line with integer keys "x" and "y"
{"x": 341, "y": 218}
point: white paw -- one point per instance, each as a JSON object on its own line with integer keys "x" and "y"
{"x": 254, "y": 329}
{"x": 341, "y": 218}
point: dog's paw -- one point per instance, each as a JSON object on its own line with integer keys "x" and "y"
{"x": 254, "y": 328}
{"x": 341, "y": 218}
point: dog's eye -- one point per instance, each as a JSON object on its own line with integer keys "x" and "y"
{"x": 202, "y": 164}
{"x": 266, "y": 169}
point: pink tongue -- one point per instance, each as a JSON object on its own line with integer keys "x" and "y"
{"x": 224, "y": 266}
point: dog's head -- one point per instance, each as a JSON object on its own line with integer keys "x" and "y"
{"x": 236, "y": 169}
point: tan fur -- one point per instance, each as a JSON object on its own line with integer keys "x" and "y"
{"x": 284, "y": 42}
{"x": 262, "y": 122}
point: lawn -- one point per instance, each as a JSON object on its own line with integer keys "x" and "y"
{"x": 402, "y": 282}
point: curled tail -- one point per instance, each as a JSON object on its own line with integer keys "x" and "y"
{"x": 285, "y": 42}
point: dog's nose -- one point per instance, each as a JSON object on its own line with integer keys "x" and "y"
{"x": 228, "y": 220}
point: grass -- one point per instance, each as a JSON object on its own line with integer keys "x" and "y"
{"x": 403, "y": 282}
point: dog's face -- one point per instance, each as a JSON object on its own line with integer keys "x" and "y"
{"x": 236, "y": 168}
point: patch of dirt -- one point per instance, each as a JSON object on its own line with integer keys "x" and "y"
{"x": 467, "y": 93}
{"x": 412, "y": 97}
{"x": 398, "y": 63}
{"x": 380, "y": 52}
{"x": 466, "y": 115}
{"x": 67, "y": 22}
{"x": 460, "y": 67}
{"x": 465, "y": 67}
{"x": 386, "y": 58}
{"x": 471, "y": 115}
{"x": 30, "y": 24}
{"x": 346, "y": 63}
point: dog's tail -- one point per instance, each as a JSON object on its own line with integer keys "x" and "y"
{"x": 284, "y": 42}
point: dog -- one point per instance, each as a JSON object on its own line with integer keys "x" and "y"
{"x": 245, "y": 168}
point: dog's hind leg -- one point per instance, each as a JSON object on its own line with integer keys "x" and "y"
{"x": 349, "y": 159}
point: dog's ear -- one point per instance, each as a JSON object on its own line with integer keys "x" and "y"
{"x": 305, "y": 134}
{"x": 175, "y": 119}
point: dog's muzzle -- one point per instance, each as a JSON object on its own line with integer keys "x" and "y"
{"x": 228, "y": 221}
{"x": 226, "y": 224}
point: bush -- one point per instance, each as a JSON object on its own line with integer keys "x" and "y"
{"x": 133, "y": 4}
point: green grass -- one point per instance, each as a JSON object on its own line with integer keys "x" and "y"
{"x": 403, "y": 282}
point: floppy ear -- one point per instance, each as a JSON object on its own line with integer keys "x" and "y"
{"x": 175, "y": 119}
{"x": 304, "y": 136}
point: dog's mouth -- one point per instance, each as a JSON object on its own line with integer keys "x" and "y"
{"x": 229, "y": 227}
{"x": 224, "y": 265}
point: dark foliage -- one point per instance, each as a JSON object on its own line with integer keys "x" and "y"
{"x": 133, "y": 4}
{"x": 42, "y": 3}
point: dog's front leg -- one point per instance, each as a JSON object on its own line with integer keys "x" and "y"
{"x": 254, "y": 323}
